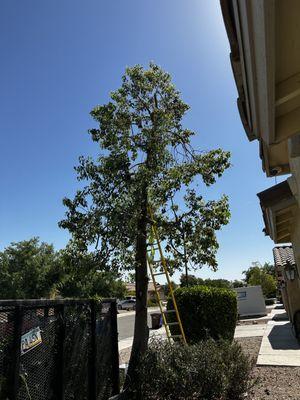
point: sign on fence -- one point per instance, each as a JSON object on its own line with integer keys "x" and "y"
{"x": 30, "y": 340}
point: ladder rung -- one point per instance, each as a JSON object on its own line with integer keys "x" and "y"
{"x": 158, "y": 273}
{"x": 175, "y": 336}
{"x": 172, "y": 323}
{"x": 169, "y": 311}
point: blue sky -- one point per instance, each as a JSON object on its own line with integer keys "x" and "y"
{"x": 60, "y": 58}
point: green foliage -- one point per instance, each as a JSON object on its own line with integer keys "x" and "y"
{"x": 237, "y": 283}
{"x": 166, "y": 288}
{"x": 194, "y": 281}
{"x": 205, "y": 312}
{"x": 152, "y": 303}
{"x": 269, "y": 269}
{"x": 82, "y": 277}
{"x": 218, "y": 283}
{"x": 28, "y": 270}
{"x": 208, "y": 370}
{"x": 145, "y": 156}
{"x": 190, "y": 280}
{"x": 263, "y": 276}
{"x": 267, "y": 282}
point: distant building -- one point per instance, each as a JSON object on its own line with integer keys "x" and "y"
{"x": 151, "y": 291}
{"x": 250, "y": 301}
{"x": 130, "y": 287}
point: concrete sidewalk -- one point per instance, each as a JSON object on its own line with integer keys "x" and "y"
{"x": 126, "y": 343}
{"x": 254, "y": 327}
{"x": 249, "y": 330}
{"x": 279, "y": 346}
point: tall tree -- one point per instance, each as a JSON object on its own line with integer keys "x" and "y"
{"x": 145, "y": 159}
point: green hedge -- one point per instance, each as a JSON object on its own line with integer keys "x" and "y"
{"x": 205, "y": 312}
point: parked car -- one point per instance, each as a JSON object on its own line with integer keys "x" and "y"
{"x": 127, "y": 305}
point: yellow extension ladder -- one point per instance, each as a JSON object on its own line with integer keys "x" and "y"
{"x": 154, "y": 247}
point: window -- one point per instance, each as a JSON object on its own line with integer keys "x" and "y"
{"x": 242, "y": 295}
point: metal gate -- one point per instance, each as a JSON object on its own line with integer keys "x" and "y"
{"x": 58, "y": 349}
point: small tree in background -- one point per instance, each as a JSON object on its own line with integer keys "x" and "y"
{"x": 263, "y": 276}
{"x": 83, "y": 277}
{"x": 146, "y": 159}
{"x": 31, "y": 270}
{"x": 190, "y": 280}
{"x": 237, "y": 283}
{"x": 194, "y": 281}
{"x": 28, "y": 270}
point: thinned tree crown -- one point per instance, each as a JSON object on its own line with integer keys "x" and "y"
{"x": 146, "y": 158}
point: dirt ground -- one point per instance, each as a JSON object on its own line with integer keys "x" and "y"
{"x": 274, "y": 383}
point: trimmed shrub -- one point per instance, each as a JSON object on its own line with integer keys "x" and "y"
{"x": 205, "y": 312}
{"x": 208, "y": 370}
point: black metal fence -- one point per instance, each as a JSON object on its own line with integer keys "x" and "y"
{"x": 58, "y": 349}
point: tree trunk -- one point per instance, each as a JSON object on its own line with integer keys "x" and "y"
{"x": 141, "y": 330}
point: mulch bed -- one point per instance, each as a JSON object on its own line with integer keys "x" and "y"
{"x": 274, "y": 383}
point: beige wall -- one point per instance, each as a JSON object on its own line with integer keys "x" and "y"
{"x": 295, "y": 238}
{"x": 291, "y": 293}
{"x": 293, "y": 297}
{"x": 294, "y": 182}
{"x": 285, "y": 300}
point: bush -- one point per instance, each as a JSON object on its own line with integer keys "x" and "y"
{"x": 205, "y": 312}
{"x": 208, "y": 370}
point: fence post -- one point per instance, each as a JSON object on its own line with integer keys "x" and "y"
{"x": 59, "y": 389}
{"x": 114, "y": 347}
{"x": 13, "y": 387}
{"x": 92, "y": 377}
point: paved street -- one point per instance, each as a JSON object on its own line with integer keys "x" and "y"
{"x": 126, "y": 329}
{"x": 126, "y": 322}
